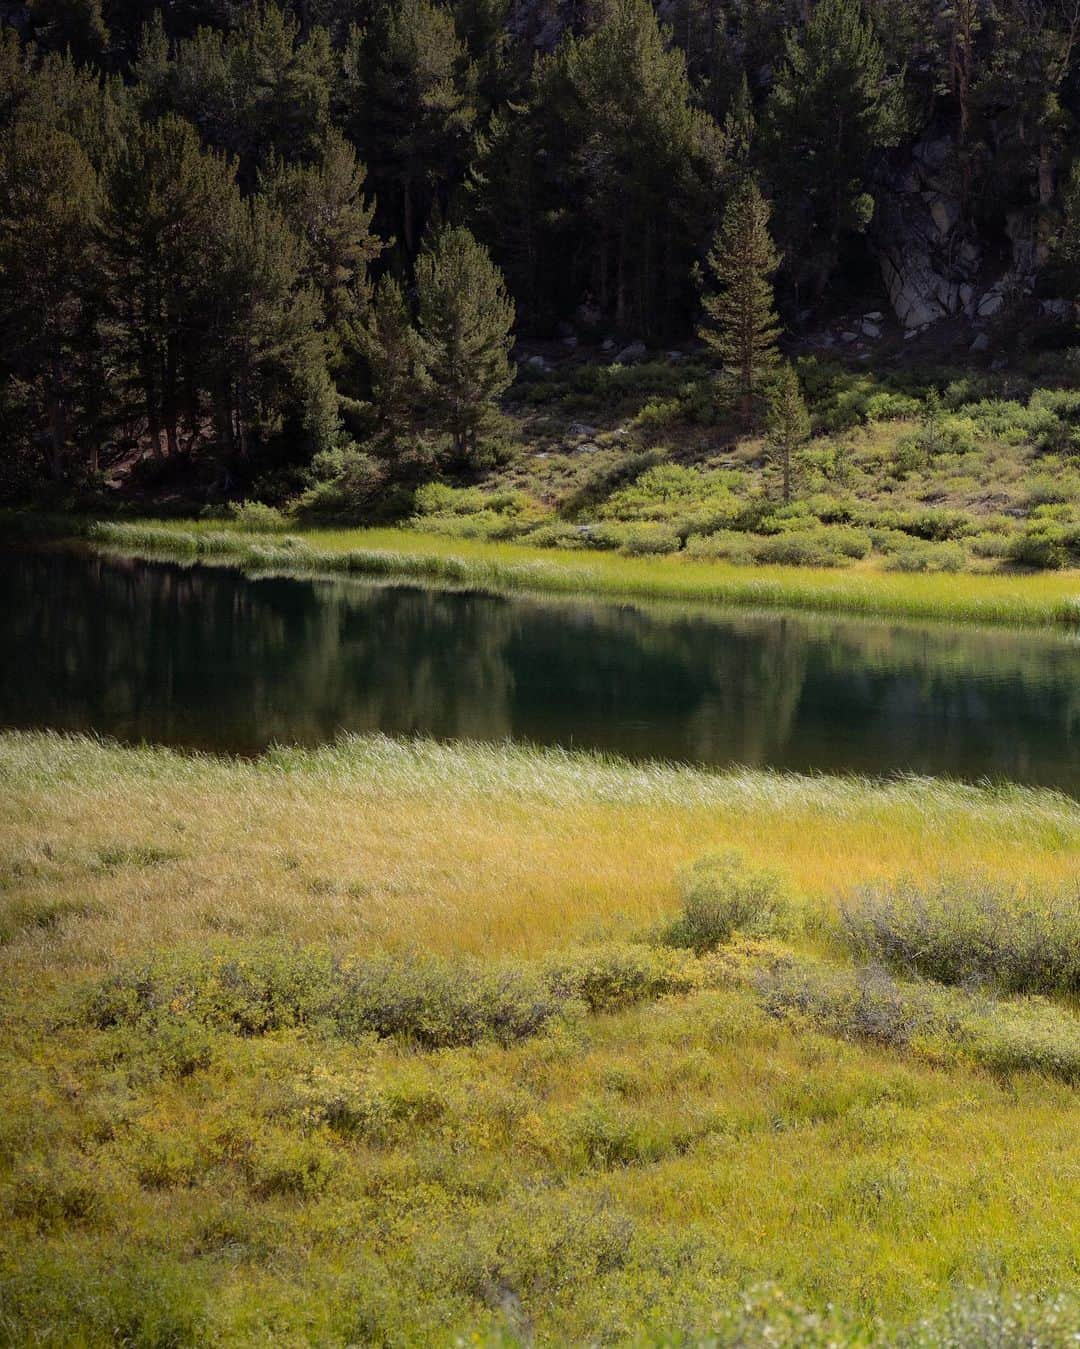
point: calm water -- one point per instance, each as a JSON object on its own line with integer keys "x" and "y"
{"x": 206, "y": 658}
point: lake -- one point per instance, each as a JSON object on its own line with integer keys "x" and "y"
{"x": 208, "y": 658}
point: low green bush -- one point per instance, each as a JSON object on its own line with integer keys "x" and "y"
{"x": 431, "y": 1001}
{"x": 721, "y": 895}
{"x": 253, "y": 991}
{"x": 926, "y": 557}
{"x": 944, "y": 1024}
{"x": 612, "y": 977}
{"x": 967, "y": 930}
{"x": 255, "y": 517}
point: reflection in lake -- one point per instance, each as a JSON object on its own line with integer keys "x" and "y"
{"x": 208, "y": 658}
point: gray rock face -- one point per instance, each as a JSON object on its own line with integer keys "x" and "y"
{"x": 632, "y": 354}
{"x": 1062, "y": 310}
{"x": 930, "y": 265}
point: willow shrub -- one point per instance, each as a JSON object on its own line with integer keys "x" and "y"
{"x": 971, "y": 930}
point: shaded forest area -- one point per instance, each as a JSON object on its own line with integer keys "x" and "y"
{"x": 249, "y": 246}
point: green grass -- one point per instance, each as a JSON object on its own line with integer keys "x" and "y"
{"x": 400, "y": 1043}
{"x": 1043, "y": 599}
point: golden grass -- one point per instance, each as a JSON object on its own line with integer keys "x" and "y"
{"x": 628, "y": 1178}
{"x": 1039, "y": 599}
{"x": 488, "y": 849}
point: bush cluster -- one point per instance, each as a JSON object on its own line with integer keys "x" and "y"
{"x": 970, "y": 930}
{"x": 720, "y": 896}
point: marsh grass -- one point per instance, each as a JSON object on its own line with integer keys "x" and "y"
{"x": 1031, "y": 600}
{"x": 286, "y": 1072}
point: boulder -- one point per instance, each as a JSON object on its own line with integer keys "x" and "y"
{"x": 991, "y": 303}
{"x": 541, "y": 364}
{"x": 870, "y": 329}
{"x": 632, "y": 354}
{"x": 1062, "y": 310}
{"x": 981, "y": 343}
{"x": 581, "y": 431}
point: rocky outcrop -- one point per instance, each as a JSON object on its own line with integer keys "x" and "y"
{"x": 931, "y": 262}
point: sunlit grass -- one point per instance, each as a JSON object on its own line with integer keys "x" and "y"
{"x": 467, "y": 847}
{"x": 623, "y": 1175}
{"x": 1022, "y": 599}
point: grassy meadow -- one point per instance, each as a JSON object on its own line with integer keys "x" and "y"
{"x": 1026, "y": 599}
{"x": 393, "y": 1042}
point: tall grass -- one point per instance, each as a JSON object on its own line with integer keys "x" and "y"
{"x": 363, "y": 1045}
{"x": 1031, "y": 600}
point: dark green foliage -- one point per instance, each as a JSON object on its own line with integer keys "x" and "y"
{"x": 789, "y": 427}
{"x": 741, "y": 325}
{"x": 223, "y": 184}
{"x": 833, "y": 104}
{"x": 465, "y": 320}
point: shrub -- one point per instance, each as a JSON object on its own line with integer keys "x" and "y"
{"x": 721, "y": 895}
{"x": 347, "y": 484}
{"x": 614, "y": 977}
{"x": 928, "y": 557}
{"x": 944, "y": 1024}
{"x": 966, "y": 930}
{"x": 433, "y": 1002}
{"x": 255, "y": 517}
{"x": 635, "y": 539}
{"x": 1041, "y": 545}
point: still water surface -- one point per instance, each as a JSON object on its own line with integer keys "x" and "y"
{"x": 206, "y": 658}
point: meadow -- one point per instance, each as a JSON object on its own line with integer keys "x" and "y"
{"x": 396, "y": 1042}
{"x": 1049, "y": 598}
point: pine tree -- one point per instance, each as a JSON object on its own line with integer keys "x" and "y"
{"x": 48, "y": 205}
{"x": 408, "y": 93}
{"x": 325, "y": 206}
{"x": 833, "y": 105}
{"x": 742, "y": 327}
{"x": 165, "y": 201}
{"x": 394, "y": 355}
{"x": 624, "y": 142}
{"x": 789, "y": 426}
{"x": 465, "y": 322}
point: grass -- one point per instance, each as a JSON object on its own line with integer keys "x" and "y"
{"x": 1039, "y": 599}
{"x": 385, "y": 1043}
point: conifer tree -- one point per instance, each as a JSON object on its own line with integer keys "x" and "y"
{"x": 394, "y": 355}
{"x": 833, "y": 105}
{"x": 741, "y": 324}
{"x": 325, "y": 206}
{"x": 465, "y": 322}
{"x": 408, "y": 93}
{"x": 789, "y": 426}
{"x": 165, "y": 201}
{"x": 48, "y": 205}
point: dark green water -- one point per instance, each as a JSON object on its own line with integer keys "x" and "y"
{"x": 207, "y": 658}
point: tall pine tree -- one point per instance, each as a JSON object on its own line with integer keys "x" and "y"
{"x": 465, "y": 323}
{"x": 741, "y": 325}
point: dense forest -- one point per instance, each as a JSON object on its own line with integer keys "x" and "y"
{"x": 241, "y": 243}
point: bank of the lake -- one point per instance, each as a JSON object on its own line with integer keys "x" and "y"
{"x": 397, "y": 1042}
{"x": 1018, "y": 599}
